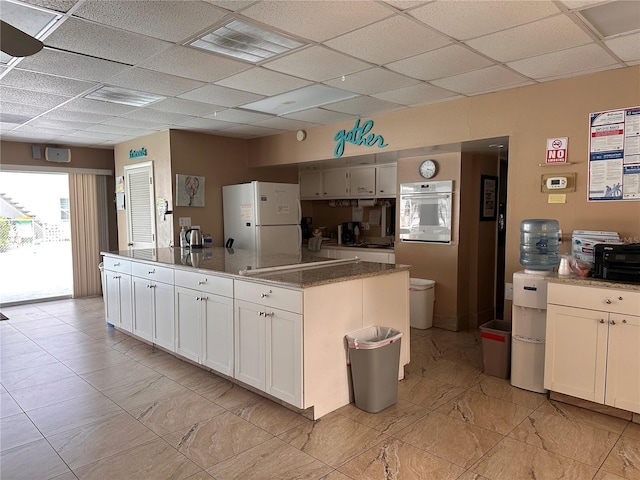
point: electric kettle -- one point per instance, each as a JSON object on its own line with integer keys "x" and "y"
{"x": 194, "y": 238}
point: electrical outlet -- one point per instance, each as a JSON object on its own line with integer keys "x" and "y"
{"x": 185, "y": 221}
{"x": 508, "y": 291}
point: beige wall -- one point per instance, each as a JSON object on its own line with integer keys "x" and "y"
{"x": 19, "y": 154}
{"x": 221, "y": 160}
{"x": 528, "y": 116}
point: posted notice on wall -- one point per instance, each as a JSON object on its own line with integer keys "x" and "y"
{"x": 614, "y": 155}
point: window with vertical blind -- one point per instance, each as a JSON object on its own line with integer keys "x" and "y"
{"x": 140, "y": 205}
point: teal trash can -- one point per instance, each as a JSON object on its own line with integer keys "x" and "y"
{"x": 374, "y": 356}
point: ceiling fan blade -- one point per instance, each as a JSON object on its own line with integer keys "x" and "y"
{"x": 16, "y": 43}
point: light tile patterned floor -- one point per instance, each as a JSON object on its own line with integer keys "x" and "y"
{"x": 81, "y": 400}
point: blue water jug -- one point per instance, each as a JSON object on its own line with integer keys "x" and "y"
{"x": 539, "y": 244}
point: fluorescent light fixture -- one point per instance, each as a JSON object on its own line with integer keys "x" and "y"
{"x": 302, "y": 99}
{"x": 123, "y": 96}
{"x": 31, "y": 20}
{"x": 613, "y": 18}
{"x": 245, "y": 41}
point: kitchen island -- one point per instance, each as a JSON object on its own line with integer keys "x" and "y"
{"x": 272, "y": 322}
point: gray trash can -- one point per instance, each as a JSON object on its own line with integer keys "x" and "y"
{"x": 421, "y": 302}
{"x": 496, "y": 348}
{"x": 374, "y": 355}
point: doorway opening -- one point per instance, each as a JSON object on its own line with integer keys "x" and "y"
{"x": 35, "y": 237}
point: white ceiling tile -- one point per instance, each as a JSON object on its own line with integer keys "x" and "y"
{"x": 180, "y": 105}
{"x": 364, "y": 106}
{"x": 168, "y": 20}
{"x": 443, "y": 62}
{"x": 583, "y": 72}
{"x": 328, "y": 19}
{"x": 27, "y": 133}
{"x": 68, "y": 64}
{"x": 98, "y": 41}
{"x": 626, "y": 47}
{"x": 153, "y": 82}
{"x": 205, "y": 124}
{"x": 69, "y": 116}
{"x": 263, "y": 82}
{"x": 28, "y": 129}
{"x": 135, "y": 123}
{"x": 370, "y": 81}
{"x": 64, "y": 125}
{"x": 236, "y": 115}
{"x": 45, "y": 83}
{"x": 321, "y": 116}
{"x": 231, "y": 5}
{"x": 29, "y": 111}
{"x": 571, "y": 61}
{"x": 155, "y": 116}
{"x": 115, "y": 129}
{"x": 17, "y": 95}
{"x": 469, "y": 18}
{"x": 91, "y": 135}
{"x": 573, "y": 4}
{"x": 483, "y": 80}
{"x": 317, "y": 64}
{"x": 415, "y": 95}
{"x": 223, "y": 96}
{"x": 250, "y": 131}
{"x": 281, "y": 123}
{"x": 405, "y": 4}
{"x": 544, "y": 36}
{"x": 96, "y": 106}
{"x": 56, "y": 5}
{"x": 388, "y": 40}
{"x": 195, "y": 64}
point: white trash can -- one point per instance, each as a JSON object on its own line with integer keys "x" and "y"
{"x": 422, "y": 298}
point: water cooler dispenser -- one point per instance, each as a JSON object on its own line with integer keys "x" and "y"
{"x": 539, "y": 255}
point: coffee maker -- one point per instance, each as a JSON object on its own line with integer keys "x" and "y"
{"x": 349, "y": 232}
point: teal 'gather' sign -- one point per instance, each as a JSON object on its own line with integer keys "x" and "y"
{"x": 358, "y": 135}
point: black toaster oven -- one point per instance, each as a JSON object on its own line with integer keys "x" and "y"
{"x": 617, "y": 262}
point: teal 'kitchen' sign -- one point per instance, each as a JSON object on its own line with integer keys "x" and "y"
{"x": 358, "y": 135}
{"x": 142, "y": 152}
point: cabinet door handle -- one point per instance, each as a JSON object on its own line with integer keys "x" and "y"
{"x": 624, "y": 321}
{"x": 115, "y": 277}
{"x": 612, "y": 322}
{"x": 116, "y": 264}
{"x": 620, "y": 298}
{"x": 202, "y": 282}
{"x": 608, "y": 301}
{"x": 269, "y": 314}
{"x": 601, "y": 320}
{"x": 152, "y": 271}
{"x": 261, "y": 314}
{"x": 263, "y": 295}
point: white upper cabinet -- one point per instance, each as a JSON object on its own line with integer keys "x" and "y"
{"x": 362, "y": 182}
{"x": 336, "y": 183}
{"x": 311, "y": 185}
{"x": 386, "y": 177}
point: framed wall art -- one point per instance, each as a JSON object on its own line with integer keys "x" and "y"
{"x": 488, "y": 197}
{"x": 189, "y": 191}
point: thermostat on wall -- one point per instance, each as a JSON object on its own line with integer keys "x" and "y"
{"x": 555, "y": 183}
{"x": 558, "y": 182}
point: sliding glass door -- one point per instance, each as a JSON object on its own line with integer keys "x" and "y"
{"x": 35, "y": 237}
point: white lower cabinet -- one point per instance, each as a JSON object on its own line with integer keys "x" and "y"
{"x": 117, "y": 297}
{"x": 204, "y": 328}
{"x": 593, "y": 354}
{"x": 268, "y": 341}
{"x": 153, "y": 311}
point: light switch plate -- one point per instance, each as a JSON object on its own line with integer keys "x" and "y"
{"x": 185, "y": 221}
{"x": 508, "y": 291}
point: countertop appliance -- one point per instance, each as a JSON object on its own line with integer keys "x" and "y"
{"x": 348, "y": 235}
{"x": 194, "y": 238}
{"x": 617, "y": 262}
{"x": 528, "y": 330}
{"x": 263, "y": 216}
{"x": 425, "y": 211}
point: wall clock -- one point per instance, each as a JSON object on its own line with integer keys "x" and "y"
{"x": 301, "y": 135}
{"x": 428, "y": 168}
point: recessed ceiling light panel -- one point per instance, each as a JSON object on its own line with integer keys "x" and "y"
{"x": 614, "y": 18}
{"x": 124, "y": 96}
{"x": 245, "y": 41}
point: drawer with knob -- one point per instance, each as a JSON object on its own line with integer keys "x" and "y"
{"x": 595, "y": 298}
{"x": 215, "y": 284}
{"x": 272, "y": 296}
{"x": 114, "y": 264}
{"x": 152, "y": 272}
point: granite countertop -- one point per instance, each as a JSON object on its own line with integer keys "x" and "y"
{"x": 590, "y": 282}
{"x": 307, "y": 270}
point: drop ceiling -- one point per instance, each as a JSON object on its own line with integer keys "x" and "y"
{"x": 349, "y": 59}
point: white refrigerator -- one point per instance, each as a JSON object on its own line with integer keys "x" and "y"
{"x": 263, "y": 217}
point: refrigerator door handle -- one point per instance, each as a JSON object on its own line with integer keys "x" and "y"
{"x": 300, "y": 236}
{"x": 299, "y": 211}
